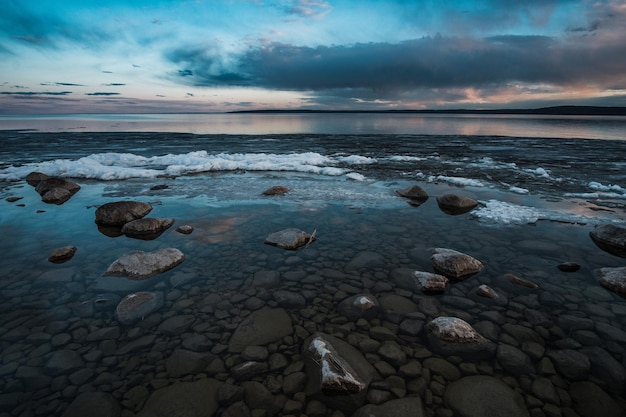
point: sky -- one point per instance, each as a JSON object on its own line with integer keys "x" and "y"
{"x": 160, "y": 56}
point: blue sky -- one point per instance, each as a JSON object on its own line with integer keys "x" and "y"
{"x": 136, "y": 56}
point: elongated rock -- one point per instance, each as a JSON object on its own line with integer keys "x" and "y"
{"x": 610, "y": 238}
{"x": 454, "y": 336}
{"x": 613, "y": 279}
{"x": 289, "y": 239}
{"x": 455, "y": 265}
{"x": 142, "y": 265}
{"x": 430, "y": 283}
{"x": 147, "y": 228}
{"x": 119, "y": 213}
{"x": 60, "y": 255}
{"x": 137, "y": 305}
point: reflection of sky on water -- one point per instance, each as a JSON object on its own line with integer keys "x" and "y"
{"x": 589, "y": 127}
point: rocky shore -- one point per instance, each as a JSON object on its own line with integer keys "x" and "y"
{"x": 300, "y": 324}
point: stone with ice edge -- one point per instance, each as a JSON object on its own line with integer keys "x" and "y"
{"x": 337, "y": 376}
{"x": 455, "y": 265}
{"x": 454, "y": 336}
{"x": 359, "y": 306}
{"x": 430, "y": 283}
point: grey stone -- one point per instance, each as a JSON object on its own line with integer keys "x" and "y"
{"x": 61, "y": 255}
{"x": 454, "y": 204}
{"x": 184, "y": 362}
{"x": 366, "y": 260}
{"x": 613, "y": 279}
{"x": 248, "y": 370}
{"x": 359, "y": 306}
{"x": 260, "y": 328}
{"x": 137, "y": 306}
{"x": 455, "y": 265}
{"x": 121, "y": 212}
{"x": 146, "y": 228}
{"x": 543, "y": 389}
{"x": 93, "y": 404}
{"x": 266, "y": 279}
{"x": 589, "y": 400}
{"x": 442, "y": 367}
{"x": 185, "y": 229}
{"x": 295, "y": 382}
{"x": 177, "y": 324}
{"x": 184, "y": 399}
{"x": 289, "y": 239}
{"x": 289, "y": 299}
{"x": 257, "y": 396}
{"x": 430, "y": 283}
{"x": 610, "y": 238}
{"x": 63, "y": 362}
{"x": 402, "y": 407}
{"x": 514, "y": 360}
{"x": 480, "y": 396}
{"x": 142, "y": 265}
{"x": 392, "y": 353}
{"x": 571, "y": 364}
{"x": 453, "y": 336}
{"x": 515, "y": 280}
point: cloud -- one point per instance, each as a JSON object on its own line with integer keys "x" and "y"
{"x": 114, "y": 84}
{"x": 307, "y": 8}
{"x": 35, "y": 93}
{"x": 101, "y": 93}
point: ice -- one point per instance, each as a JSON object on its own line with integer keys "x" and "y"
{"x": 494, "y": 211}
{"x": 357, "y": 160}
{"x": 601, "y": 187}
{"x": 355, "y": 176}
{"x": 460, "y": 181}
{"x": 518, "y": 190}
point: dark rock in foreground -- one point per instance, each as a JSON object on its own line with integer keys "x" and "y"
{"x": 481, "y": 396}
{"x": 454, "y": 204}
{"x": 454, "y": 336}
{"x": 359, "y": 306}
{"x": 121, "y": 212}
{"x": 60, "y": 255}
{"x": 430, "y": 283}
{"x": 455, "y": 265}
{"x": 610, "y": 238}
{"x": 261, "y": 328}
{"x": 93, "y": 404}
{"x": 569, "y": 266}
{"x": 415, "y": 194}
{"x": 53, "y": 190}
{"x": 613, "y": 279}
{"x": 142, "y": 265}
{"x": 184, "y": 399}
{"x": 276, "y": 190}
{"x": 146, "y": 229}
{"x": 402, "y": 407}
{"x": 185, "y": 229}
{"x": 290, "y": 239}
{"x": 338, "y": 374}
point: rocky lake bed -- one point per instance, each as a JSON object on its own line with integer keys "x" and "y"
{"x": 366, "y": 311}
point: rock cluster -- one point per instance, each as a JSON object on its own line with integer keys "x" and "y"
{"x": 53, "y": 190}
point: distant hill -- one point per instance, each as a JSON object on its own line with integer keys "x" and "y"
{"x": 556, "y": 110}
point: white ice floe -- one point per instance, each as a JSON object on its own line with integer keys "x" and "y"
{"x": 404, "y": 158}
{"x": 460, "y": 181}
{"x": 611, "y": 187}
{"x": 518, "y": 190}
{"x": 355, "y": 176}
{"x": 357, "y": 160}
{"x": 494, "y": 211}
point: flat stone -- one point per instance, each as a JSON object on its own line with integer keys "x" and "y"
{"x": 61, "y": 255}
{"x": 455, "y": 265}
{"x": 289, "y": 299}
{"x": 184, "y": 362}
{"x": 183, "y": 399}
{"x": 261, "y": 328}
{"x": 480, "y": 396}
{"x": 62, "y": 362}
{"x": 177, "y": 325}
{"x": 358, "y": 306}
{"x": 93, "y": 404}
{"x": 613, "y": 279}
{"x": 142, "y": 265}
{"x": 439, "y": 366}
{"x": 402, "y": 407}
{"x": 146, "y": 228}
{"x": 454, "y": 204}
{"x": 515, "y": 280}
{"x": 121, "y": 212}
{"x": 289, "y": 239}
{"x": 429, "y": 283}
{"x": 610, "y": 238}
{"x": 137, "y": 306}
{"x": 454, "y": 336}
{"x": 571, "y": 364}
{"x": 514, "y": 360}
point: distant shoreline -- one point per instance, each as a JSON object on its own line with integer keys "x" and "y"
{"x": 555, "y": 111}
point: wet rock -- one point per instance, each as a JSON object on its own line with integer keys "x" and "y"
{"x": 454, "y": 204}
{"x": 480, "y": 396}
{"x": 13, "y": 199}
{"x": 93, "y": 404}
{"x": 258, "y": 397}
{"x": 415, "y": 194}
{"x": 515, "y": 280}
{"x": 183, "y": 399}
{"x": 366, "y": 259}
{"x": 613, "y": 279}
{"x": 453, "y": 336}
{"x": 142, "y": 265}
{"x": 430, "y": 283}
{"x": 137, "y": 306}
{"x": 589, "y": 400}
{"x": 338, "y": 374}
{"x": 261, "y": 328}
{"x": 55, "y": 190}
{"x": 63, "y": 362}
{"x": 289, "y": 239}
{"x": 35, "y": 178}
{"x": 248, "y": 370}
{"x": 146, "y": 228}
{"x": 610, "y": 238}
{"x": 185, "y": 229}
{"x": 358, "y": 306}
{"x": 276, "y": 190}
{"x": 177, "y": 325}
{"x": 514, "y": 360}
{"x": 455, "y": 265}
{"x": 605, "y": 367}
{"x": 403, "y": 407}
{"x": 61, "y": 255}
{"x": 289, "y": 299}
{"x": 568, "y": 266}
{"x": 439, "y": 366}
{"x": 121, "y": 212}
{"x": 570, "y": 363}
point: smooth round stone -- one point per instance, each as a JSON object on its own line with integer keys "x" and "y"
{"x": 442, "y": 367}
{"x": 138, "y": 305}
{"x": 480, "y": 396}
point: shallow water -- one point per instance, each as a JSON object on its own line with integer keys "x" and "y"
{"x": 570, "y": 186}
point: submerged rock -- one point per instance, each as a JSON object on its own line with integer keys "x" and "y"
{"x": 613, "y": 279}
{"x": 290, "y": 239}
{"x": 515, "y": 280}
{"x": 402, "y": 407}
{"x": 146, "y": 229}
{"x": 430, "y": 283}
{"x": 338, "y": 374}
{"x": 480, "y": 396}
{"x": 454, "y": 204}
{"x": 568, "y": 266}
{"x": 610, "y": 238}
{"x": 455, "y": 265}
{"x": 261, "y": 328}
{"x": 142, "y": 265}
{"x": 276, "y": 190}
{"x": 454, "y": 336}
{"x": 185, "y": 229}
{"x": 184, "y": 399}
{"x": 93, "y": 404}
{"x": 61, "y": 255}
{"x": 359, "y": 306}
{"x": 138, "y": 305}
{"x": 486, "y": 291}
{"x": 121, "y": 212}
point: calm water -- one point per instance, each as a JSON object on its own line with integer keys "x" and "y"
{"x": 590, "y": 127}
{"x": 542, "y": 185}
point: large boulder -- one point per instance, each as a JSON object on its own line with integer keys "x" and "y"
{"x": 119, "y": 213}
{"x": 402, "y": 407}
{"x": 481, "y": 396}
{"x": 54, "y": 190}
{"x": 146, "y": 229}
{"x": 93, "y": 404}
{"x": 589, "y": 400}
{"x": 290, "y": 239}
{"x": 454, "y": 204}
{"x": 610, "y": 238}
{"x": 430, "y": 283}
{"x": 138, "y": 305}
{"x": 338, "y": 374}
{"x": 455, "y": 265}
{"x": 184, "y": 399}
{"x": 454, "y": 336}
{"x": 142, "y": 265}
{"x": 359, "y": 306}
{"x": 60, "y": 255}
{"x": 415, "y": 194}
{"x": 613, "y": 279}
{"x": 261, "y": 328}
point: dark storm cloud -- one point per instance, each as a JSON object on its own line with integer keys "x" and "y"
{"x": 101, "y": 93}
{"x": 114, "y": 84}
{"x": 35, "y": 93}
{"x": 433, "y": 62}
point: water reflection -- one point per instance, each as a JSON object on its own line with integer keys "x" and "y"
{"x": 588, "y": 127}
